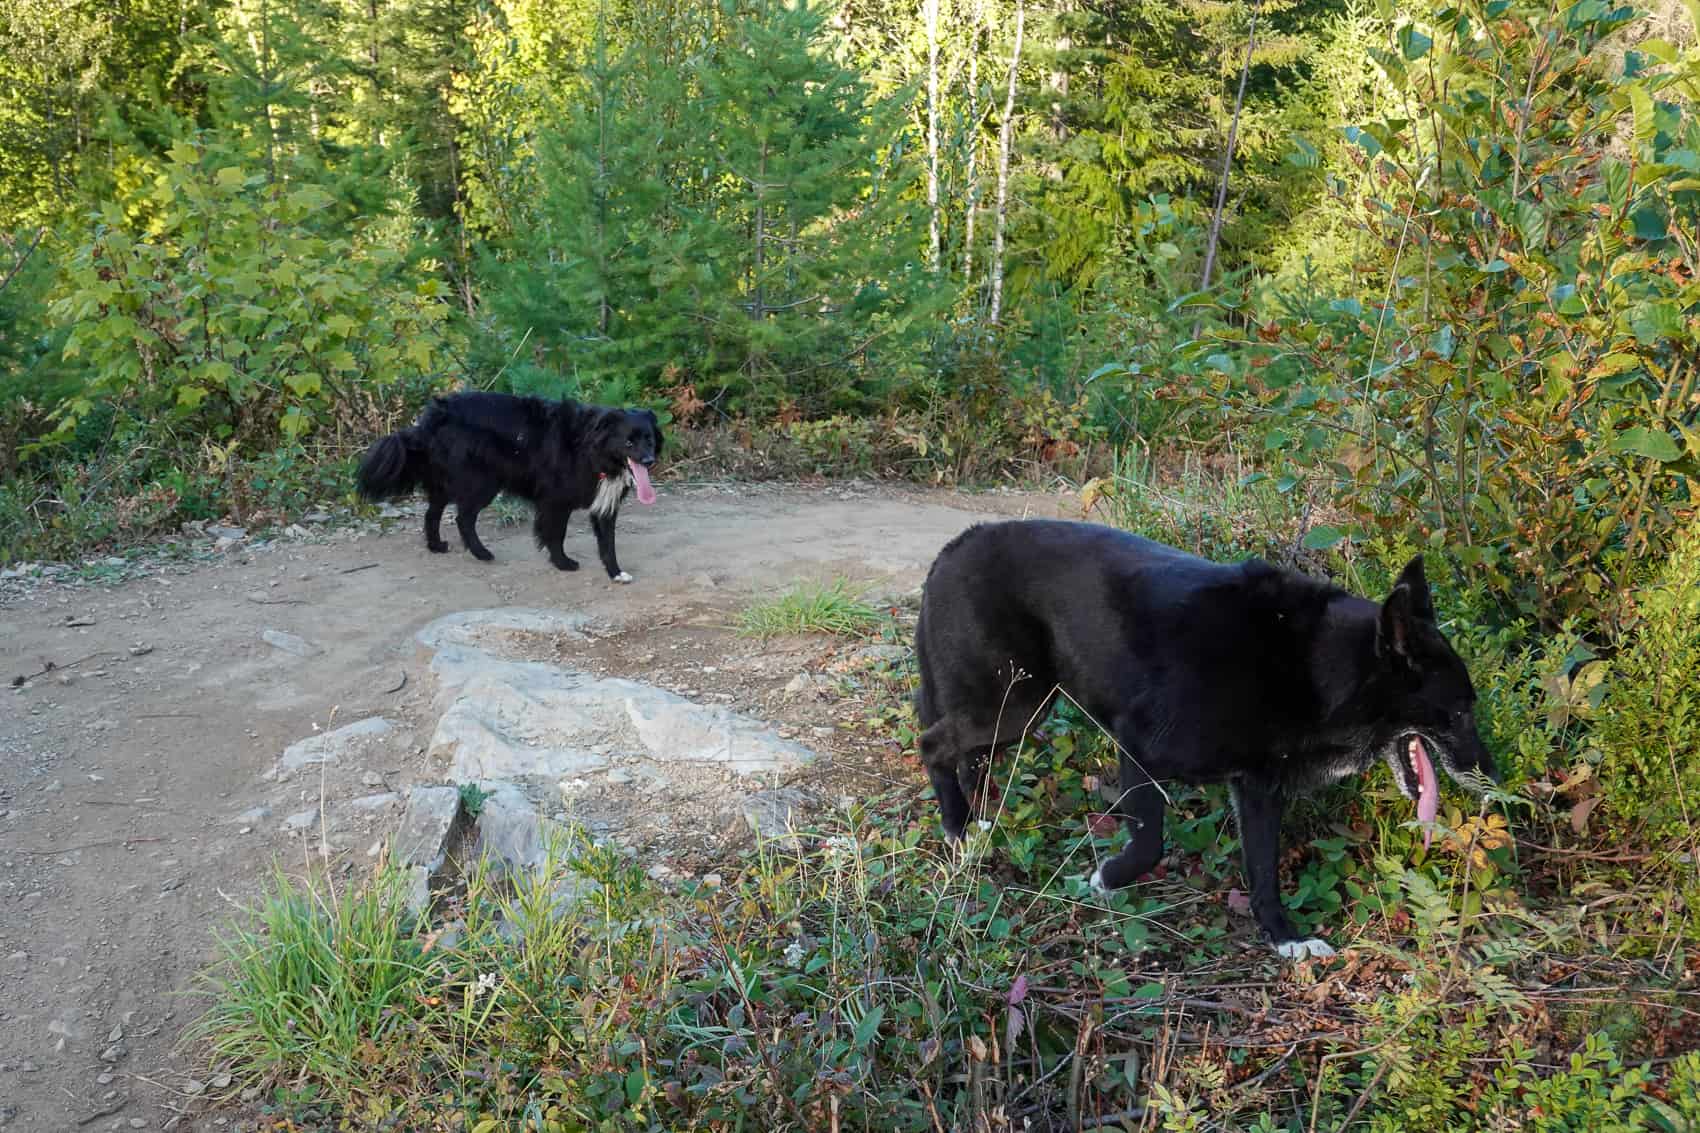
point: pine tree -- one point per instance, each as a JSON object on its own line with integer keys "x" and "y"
{"x": 809, "y": 238}
{"x": 585, "y": 284}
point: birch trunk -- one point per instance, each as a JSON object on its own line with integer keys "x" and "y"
{"x": 1006, "y": 138}
{"x": 973, "y": 202}
{"x": 931, "y": 14}
{"x": 1228, "y": 156}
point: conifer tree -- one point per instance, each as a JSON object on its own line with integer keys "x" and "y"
{"x": 809, "y": 237}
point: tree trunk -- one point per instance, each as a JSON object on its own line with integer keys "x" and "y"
{"x": 973, "y": 194}
{"x": 934, "y": 252}
{"x": 1228, "y": 155}
{"x": 1006, "y": 138}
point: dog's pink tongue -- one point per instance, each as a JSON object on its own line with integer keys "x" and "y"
{"x": 1428, "y": 792}
{"x": 640, "y": 481}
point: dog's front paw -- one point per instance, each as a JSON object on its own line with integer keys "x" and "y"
{"x": 1096, "y": 883}
{"x": 437, "y": 548}
{"x": 1304, "y": 949}
{"x": 622, "y": 577}
{"x": 564, "y": 563}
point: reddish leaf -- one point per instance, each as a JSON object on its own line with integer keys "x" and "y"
{"x": 1239, "y": 902}
{"x": 1018, "y": 990}
{"x": 1101, "y": 825}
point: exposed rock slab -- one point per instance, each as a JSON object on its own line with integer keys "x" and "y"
{"x": 328, "y": 747}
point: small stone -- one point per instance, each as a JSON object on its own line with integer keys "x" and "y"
{"x": 299, "y": 821}
{"x": 140, "y": 650}
{"x": 253, "y": 814}
{"x": 371, "y": 779}
{"x": 711, "y": 880}
{"x": 289, "y": 643}
{"x": 138, "y": 1123}
{"x": 53, "y": 788}
{"x": 104, "y": 1078}
{"x": 116, "y": 1033}
{"x": 170, "y": 883}
{"x": 113, "y": 1053}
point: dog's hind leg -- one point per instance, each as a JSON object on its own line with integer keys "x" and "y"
{"x": 940, "y": 754}
{"x": 550, "y": 527}
{"x": 603, "y": 525}
{"x": 1141, "y": 806}
{"x": 466, "y": 522}
{"x": 1258, "y": 803}
{"x": 434, "y": 521}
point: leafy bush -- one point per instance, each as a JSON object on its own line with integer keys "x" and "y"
{"x": 217, "y": 295}
{"x": 1518, "y": 386}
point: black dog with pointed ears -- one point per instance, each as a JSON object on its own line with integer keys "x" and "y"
{"x": 561, "y": 456}
{"x": 1202, "y": 672}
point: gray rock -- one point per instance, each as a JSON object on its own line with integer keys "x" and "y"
{"x": 475, "y": 628}
{"x": 773, "y": 815}
{"x": 372, "y": 804}
{"x": 809, "y": 686}
{"x": 512, "y": 836}
{"x": 516, "y": 720}
{"x": 289, "y": 643}
{"x": 880, "y": 654}
{"x": 426, "y": 827}
{"x": 301, "y": 820}
{"x": 218, "y": 531}
{"x": 252, "y": 815}
{"x": 417, "y": 888}
{"x": 327, "y": 747}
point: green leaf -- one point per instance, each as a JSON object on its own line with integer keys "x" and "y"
{"x": 1531, "y": 224}
{"x": 1641, "y": 441}
{"x": 1413, "y": 44}
{"x": 1322, "y": 538}
{"x": 868, "y": 1027}
{"x": 230, "y": 177}
{"x": 305, "y": 385}
{"x": 1655, "y": 322}
{"x": 1641, "y": 103}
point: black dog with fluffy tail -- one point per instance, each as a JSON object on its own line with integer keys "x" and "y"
{"x": 469, "y": 447}
{"x": 1204, "y": 672}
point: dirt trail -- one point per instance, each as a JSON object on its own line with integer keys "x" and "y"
{"x": 124, "y": 780}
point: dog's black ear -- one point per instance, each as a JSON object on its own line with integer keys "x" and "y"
{"x": 1413, "y": 579}
{"x": 1409, "y": 604}
{"x": 655, "y": 424}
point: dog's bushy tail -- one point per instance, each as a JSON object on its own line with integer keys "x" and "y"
{"x": 393, "y": 466}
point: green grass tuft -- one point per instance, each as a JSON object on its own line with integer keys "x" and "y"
{"x": 811, "y": 607}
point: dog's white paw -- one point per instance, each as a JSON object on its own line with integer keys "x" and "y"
{"x": 1304, "y": 949}
{"x": 1096, "y": 883}
{"x": 623, "y": 577}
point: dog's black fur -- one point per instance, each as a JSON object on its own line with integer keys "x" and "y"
{"x": 468, "y": 447}
{"x": 1202, "y": 672}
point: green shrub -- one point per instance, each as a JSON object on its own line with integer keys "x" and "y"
{"x": 1515, "y": 382}
{"x": 217, "y": 297}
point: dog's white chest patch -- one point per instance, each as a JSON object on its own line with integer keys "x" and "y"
{"x": 610, "y": 490}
